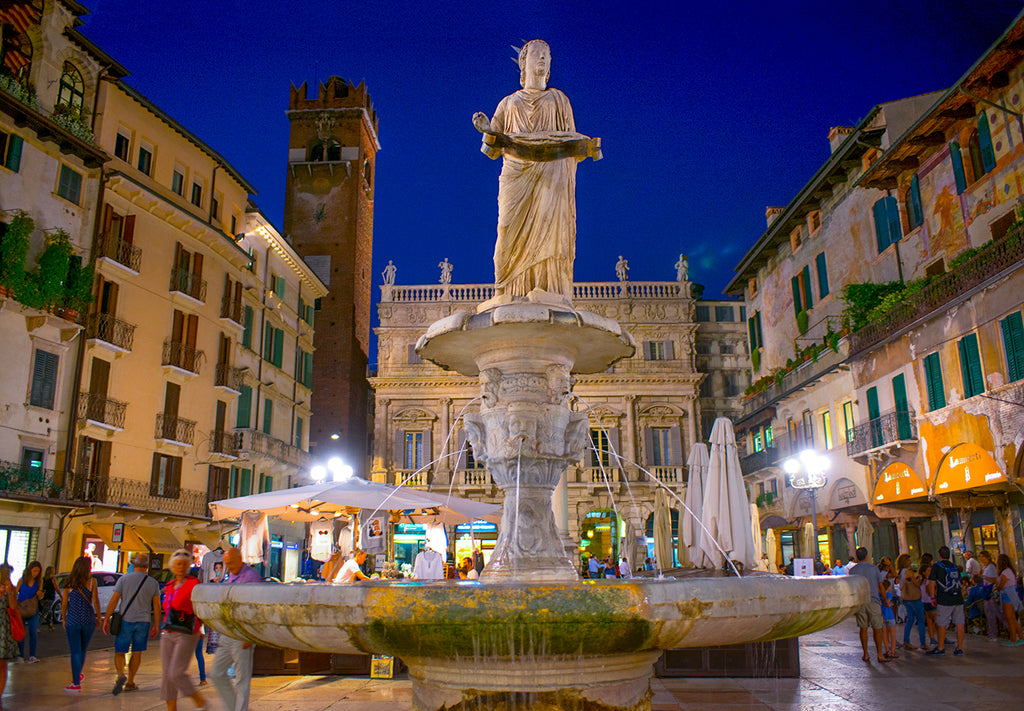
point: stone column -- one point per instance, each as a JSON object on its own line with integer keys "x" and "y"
{"x": 560, "y": 507}
{"x": 447, "y": 465}
{"x": 628, "y": 435}
{"x": 901, "y": 535}
{"x": 380, "y": 466}
{"x": 851, "y": 529}
{"x": 691, "y": 426}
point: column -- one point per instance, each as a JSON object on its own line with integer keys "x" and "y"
{"x": 628, "y": 436}
{"x": 901, "y": 536}
{"x": 444, "y": 471}
{"x": 382, "y": 457}
{"x": 691, "y": 426}
{"x": 851, "y": 529}
{"x": 560, "y": 507}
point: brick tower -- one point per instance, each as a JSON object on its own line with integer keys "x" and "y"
{"x": 328, "y": 216}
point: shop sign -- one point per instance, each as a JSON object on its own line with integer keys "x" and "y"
{"x": 117, "y": 534}
{"x": 898, "y": 482}
{"x": 845, "y": 493}
{"x": 967, "y": 466}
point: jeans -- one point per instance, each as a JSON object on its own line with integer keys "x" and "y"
{"x": 31, "y": 636}
{"x": 915, "y": 614}
{"x": 229, "y": 652}
{"x": 200, "y": 660}
{"x": 78, "y": 642}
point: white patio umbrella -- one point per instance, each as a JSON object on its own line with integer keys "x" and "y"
{"x": 773, "y": 551}
{"x": 809, "y": 541}
{"x": 662, "y": 530}
{"x": 726, "y": 512}
{"x": 682, "y": 551}
{"x": 865, "y": 537}
{"x": 689, "y": 524}
{"x": 755, "y": 525}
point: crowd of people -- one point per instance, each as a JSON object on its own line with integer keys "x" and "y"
{"x": 931, "y": 595}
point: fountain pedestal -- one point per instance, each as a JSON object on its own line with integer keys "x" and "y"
{"x": 524, "y": 354}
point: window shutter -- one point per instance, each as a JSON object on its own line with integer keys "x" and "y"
{"x": 873, "y": 403}
{"x": 917, "y": 216}
{"x": 244, "y": 407}
{"x": 307, "y": 370}
{"x": 154, "y": 476}
{"x": 970, "y": 365}
{"x": 44, "y": 379}
{"x": 233, "y": 482}
{"x": 268, "y": 345}
{"x": 879, "y": 211}
{"x": 757, "y": 323}
{"x": 278, "y": 347}
{"x": 268, "y": 415}
{"x": 247, "y": 333}
{"x": 796, "y": 296}
{"x": 298, "y": 432}
{"x": 428, "y": 455}
{"x": 309, "y": 315}
{"x": 988, "y": 155}
{"x": 958, "y": 167}
{"x": 899, "y": 396}
{"x": 128, "y": 233}
{"x": 647, "y": 350}
{"x": 648, "y": 447}
{"x": 670, "y": 350}
{"x": 245, "y": 483}
{"x": 677, "y": 447}
{"x": 807, "y": 286}
{"x": 613, "y": 445}
{"x": 13, "y": 161}
{"x": 1013, "y": 342}
{"x": 893, "y": 211}
{"x": 752, "y": 334}
{"x": 819, "y": 262}
{"x": 398, "y": 456}
{"x": 460, "y": 462}
{"x": 933, "y": 382}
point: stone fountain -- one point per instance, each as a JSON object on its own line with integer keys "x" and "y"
{"x": 530, "y": 634}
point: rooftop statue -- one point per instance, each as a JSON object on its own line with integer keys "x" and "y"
{"x": 534, "y": 132}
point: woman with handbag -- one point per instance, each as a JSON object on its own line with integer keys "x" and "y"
{"x": 8, "y": 645}
{"x": 30, "y": 592}
{"x": 80, "y": 612}
{"x": 181, "y": 634}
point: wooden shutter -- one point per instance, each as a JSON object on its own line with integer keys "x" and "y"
{"x": 44, "y": 379}
{"x": 916, "y": 216}
{"x": 648, "y": 447}
{"x": 428, "y": 448}
{"x": 677, "y": 447}
{"x": 197, "y": 268}
{"x": 460, "y": 462}
{"x": 1013, "y": 342}
{"x": 647, "y": 350}
{"x": 670, "y": 350}
{"x": 899, "y": 396}
{"x": 154, "y": 476}
{"x": 244, "y": 408}
{"x": 752, "y": 334}
{"x": 892, "y": 209}
{"x": 757, "y": 323}
{"x": 398, "y": 457}
{"x": 879, "y": 211}
{"x": 247, "y": 332}
{"x": 268, "y": 415}
{"x": 807, "y": 286}
{"x": 822, "y": 268}
{"x": 191, "y": 334}
{"x": 99, "y": 377}
{"x": 988, "y": 155}
{"x": 958, "y": 167}
{"x": 245, "y": 482}
{"x": 172, "y": 397}
{"x": 307, "y": 370}
{"x": 13, "y": 161}
{"x": 178, "y": 326}
{"x": 128, "y": 233}
{"x": 970, "y": 365}
{"x": 933, "y": 382}
{"x": 797, "y": 300}
{"x": 268, "y": 344}
{"x": 298, "y": 432}
{"x": 221, "y": 416}
{"x": 872, "y": 395}
{"x": 278, "y": 347}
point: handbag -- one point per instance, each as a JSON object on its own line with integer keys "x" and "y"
{"x": 116, "y": 618}
{"x": 17, "y": 625}
{"x": 29, "y": 607}
{"x": 179, "y": 620}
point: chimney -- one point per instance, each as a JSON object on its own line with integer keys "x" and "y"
{"x": 772, "y": 213}
{"x": 838, "y": 134}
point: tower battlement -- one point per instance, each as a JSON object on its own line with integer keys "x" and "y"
{"x": 335, "y": 93}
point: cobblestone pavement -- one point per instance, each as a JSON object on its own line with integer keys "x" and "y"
{"x": 988, "y": 676}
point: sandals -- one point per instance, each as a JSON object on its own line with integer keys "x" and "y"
{"x": 131, "y": 687}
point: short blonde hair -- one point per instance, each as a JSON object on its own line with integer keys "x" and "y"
{"x": 178, "y": 555}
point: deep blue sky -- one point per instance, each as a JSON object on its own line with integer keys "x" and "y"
{"x": 708, "y": 112}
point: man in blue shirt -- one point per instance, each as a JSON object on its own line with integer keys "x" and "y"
{"x": 840, "y": 569}
{"x": 870, "y": 615}
{"x": 234, "y": 652}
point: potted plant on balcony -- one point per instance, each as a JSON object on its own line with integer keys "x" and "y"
{"x": 44, "y": 288}
{"x": 70, "y": 118}
{"x": 14, "y": 243}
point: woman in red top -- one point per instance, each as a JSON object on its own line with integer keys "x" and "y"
{"x": 181, "y": 634}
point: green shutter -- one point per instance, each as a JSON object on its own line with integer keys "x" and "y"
{"x": 757, "y": 324}
{"x": 268, "y": 415}
{"x": 970, "y": 365}
{"x": 893, "y": 211}
{"x": 44, "y": 379}
{"x": 233, "y": 483}
{"x": 268, "y": 344}
{"x": 873, "y": 415}
{"x": 988, "y": 155}
{"x": 245, "y": 485}
{"x": 279, "y": 287}
{"x": 899, "y": 396}
{"x": 309, "y": 315}
{"x": 244, "y": 407}
{"x": 307, "y": 370}
{"x": 797, "y": 308}
{"x": 278, "y": 347}
{"x": 914, "y": 202}
{"x": 807, "y": 286}
{"x": 933, "y": 382}
{"x": 13, "y": 161}
{"x": 881, "y": 216}
{"x": 247, "y": 333}
{"x": 298, "y": 433}
{"x": 1013, "y": 342}
{"x": 752, "y": 333}
{"x": 958, "y": 167}
{"x": 819, "y": 262}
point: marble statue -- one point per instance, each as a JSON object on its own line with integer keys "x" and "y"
{"x": 683, "y": 268}
{"x": 622, "y": 269}
{"x": 389, "y": 273}
{"x": 446, "y": 271}
{"x": 535, "y": 133}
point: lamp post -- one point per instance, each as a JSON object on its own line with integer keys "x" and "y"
{"x": 338, "y": 469}
{"x": 807, "y": 471}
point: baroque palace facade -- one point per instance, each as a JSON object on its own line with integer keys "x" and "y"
{"x": 691, "y": 365}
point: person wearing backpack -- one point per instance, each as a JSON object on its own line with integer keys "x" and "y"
{"x": 949, "y": 598}
{"x": 140, "y": 620}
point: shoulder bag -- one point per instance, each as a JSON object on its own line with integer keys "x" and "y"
{"x": 116, "y": 618}
{"x": 29, "y": 607}
{"x": 179, "y": 620}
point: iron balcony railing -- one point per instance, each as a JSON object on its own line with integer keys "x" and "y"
{"x": 19, "y": 480}
{"x": 124, "y": 253}
{"x": 112, "y": 330}
{"x": 140, "y": 495}
{"x": 795, "y": 379}
{"x": 102, "y": 409}
{"x": 990, "y": 261}
{"x": 179, "y": 355}
{"x": 175, "y": 429}
{"x": 232, "y": 310}
{"x": 772, "y": 456}
{"x": 228, "y": 376}
{"x": 891, "y": 427}
{"x": 225, "y": 443}
{"x": 187, "y": 283}
{"x": 257, "y": 442}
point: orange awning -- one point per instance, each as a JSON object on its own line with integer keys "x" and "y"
{"x": 898, "y": 482}
{"x": 966, "y": 466}
{"x": 105, "y": 531}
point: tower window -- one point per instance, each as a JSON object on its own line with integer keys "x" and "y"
{"x": 72, "y": 89}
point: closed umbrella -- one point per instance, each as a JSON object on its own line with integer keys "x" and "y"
{"x": 689, "y": 524}
{"x": 726, "y": 512}
{"x": 808, "y": 547}
{"x": 682, "y": 551}
{"x": 773, "y": 551}
{"x": 662, "y": 530}
{"x": 755, "y": 525}
{"x": 865, "y": 536}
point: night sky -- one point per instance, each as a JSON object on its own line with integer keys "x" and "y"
{"x": 708, "y": 113}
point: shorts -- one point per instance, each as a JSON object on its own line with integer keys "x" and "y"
{"x": 888, "y": 622}
{"x": 929, "y": 606}
{"x": 1008, "y": 596}
{"x": 947, "y": 613}
{"x": 870, "y": 615}
{"x": 133, "y": 636}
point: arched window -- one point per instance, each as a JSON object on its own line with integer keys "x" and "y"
{"x": 367, "y": 173}
{"x": 316, "y": 153}
{"x": 334, "y": 151}
{"x": 72, "y": 88}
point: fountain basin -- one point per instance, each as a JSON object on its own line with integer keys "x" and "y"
{"x": 588, "y": 644}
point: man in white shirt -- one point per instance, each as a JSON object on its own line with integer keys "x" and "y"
{"x": 351, "y": 571}
{"x": 624, "y": 568}
{"x": 971, "y": 565}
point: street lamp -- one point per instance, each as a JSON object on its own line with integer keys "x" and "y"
{"x": 807, "y": 471}
{"x": 338, "y": 469}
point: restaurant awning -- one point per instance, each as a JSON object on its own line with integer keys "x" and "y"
{"x": 966, "y": 466}
{"x": 160, "y": 540}
{"x": 105, "y": 532}
{"x": 898, "y": 482}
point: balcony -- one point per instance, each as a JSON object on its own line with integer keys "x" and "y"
{"x": 474, "y": 477}
{"x": 183, "y": 357}
{"x": 796, "y": 379}
{"x": 232, "y": 310}
{"x": 123, "y": 253}
{"x": 189, "y": 284}
{"x": 111, "y": 331}
{"x": 229, "y": 377}
{"x": 176, "y": 430}
{"x": 597, "y": 475}
{"x": 669, "y": 475}
{"x": 225, "y": 443}
{"x": 18, "y": 480}
{"x": 412, "y": 477}
{"x": 990, "y": 262}
{"x": 102, "y": 411}
{"x": 892, "y": 429}
{"x": 252, "y": 441}
{"x": 139, "y": 495}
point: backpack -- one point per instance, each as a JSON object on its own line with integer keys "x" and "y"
{"x": 951, "y": 582}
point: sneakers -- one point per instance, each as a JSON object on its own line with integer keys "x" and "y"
{"x": 119, "y": 685}
{"x": 19, "y": 660}
{"x": 958, "y": 652}
{"x": 936, "y": 652}
{"x": 1018, "y": 643}
{"x": 32, "y": 660}
{"x": 73, "y": 687}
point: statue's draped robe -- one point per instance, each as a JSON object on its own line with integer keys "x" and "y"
{"x": 536, "y": 200}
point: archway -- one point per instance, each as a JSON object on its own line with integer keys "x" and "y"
{"x": 649, "y": 531}
{"x": 599, "y": 534}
